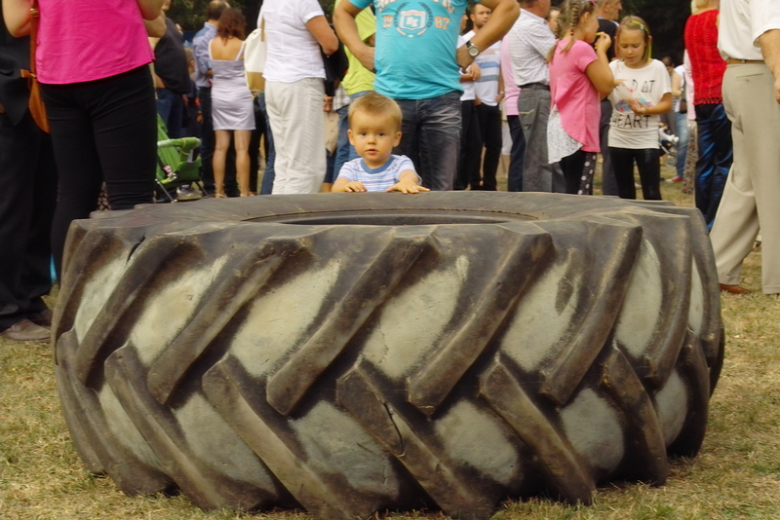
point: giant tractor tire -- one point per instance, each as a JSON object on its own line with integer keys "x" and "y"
{"x": 352, "y": 353}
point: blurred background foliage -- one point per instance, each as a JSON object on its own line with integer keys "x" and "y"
{"x": 666, "y": 19}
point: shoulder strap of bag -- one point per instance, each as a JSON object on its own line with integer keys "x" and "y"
{"x": 34, "y": 19}
{"x": 35, "y": 103}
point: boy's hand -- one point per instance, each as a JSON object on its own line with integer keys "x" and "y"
{"x": 473, "y": 72}
{"x": 407, "y": 186}
{"x": 354, "y": 187}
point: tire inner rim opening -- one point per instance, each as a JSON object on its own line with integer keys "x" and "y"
{"x": 394, "y": 218}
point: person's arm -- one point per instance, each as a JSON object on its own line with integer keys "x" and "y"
{"x": 200, "y": 52}
{"x": 505, "y": 12}
{"x": 408, "y": 183}
{"x": 344, "y": 19}
{"x": 150, "y": 9}
{"x": 319, "y": 28}
{"x": 156, "y": 28}
{"x": 598, "y": 71}
{"x": 16, "y": 14}
{"x": 770, "y": 48}
{"x": 500, "y": 96}
{"x": 676, "y": 84}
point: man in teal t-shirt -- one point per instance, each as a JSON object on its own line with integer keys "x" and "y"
{"x": 417, "y": 65}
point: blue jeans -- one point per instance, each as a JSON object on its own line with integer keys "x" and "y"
{"x": 345, "y": 152}
{"x": 715, "y": 158}
{"x": 268, "y": 175}
{"x": 608, "y": 183}
{"x": 683, "y": 132}
{"x": 170, "y": 107}
{"x": 516, "y": 154}
{"x": 431, "y": 138}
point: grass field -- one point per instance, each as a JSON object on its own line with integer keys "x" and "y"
{"x": 736, "y": 475}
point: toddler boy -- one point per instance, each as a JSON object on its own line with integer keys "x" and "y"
{"x": 374, "y": 129}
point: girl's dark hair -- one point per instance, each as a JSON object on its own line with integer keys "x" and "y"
{"x": 634, "y": 23}
{"x": 231, "y": 23}
{"x": 569, "y": 19}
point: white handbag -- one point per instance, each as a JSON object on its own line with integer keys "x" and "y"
{"x": 255, "y": 52}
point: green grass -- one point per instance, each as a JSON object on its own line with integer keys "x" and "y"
{"x": 735, "y": 476}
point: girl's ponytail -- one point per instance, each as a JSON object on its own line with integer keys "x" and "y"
{"x": 571, "y": 14}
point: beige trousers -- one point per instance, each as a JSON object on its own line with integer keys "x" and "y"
{"x": 298, "y": 126}
{"x": 751, "y": 198}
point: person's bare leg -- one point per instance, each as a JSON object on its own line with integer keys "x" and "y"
{"x": 241, "y": 139}
{"x": 218, "y": 161}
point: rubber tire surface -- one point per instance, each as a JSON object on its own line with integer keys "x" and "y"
{"x": 460, "y": 349}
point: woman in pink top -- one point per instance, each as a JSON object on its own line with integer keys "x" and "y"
{"x": 92, "y": 62}
{"x": 579, "y": 76}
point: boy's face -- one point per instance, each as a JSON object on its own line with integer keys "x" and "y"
{"x": 373, "y": 137}
{"x": 480, "y": 16}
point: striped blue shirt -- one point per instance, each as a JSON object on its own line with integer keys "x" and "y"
{"x": 489, "y": 62}
{"x": 377, "y": 179}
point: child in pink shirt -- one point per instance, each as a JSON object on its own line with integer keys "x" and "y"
{"x": 579, "y": 77}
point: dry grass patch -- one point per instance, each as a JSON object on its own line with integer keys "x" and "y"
{"x": 736, "y": 475}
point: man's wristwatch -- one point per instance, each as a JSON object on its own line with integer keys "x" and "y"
{"x": 472, "y": 49}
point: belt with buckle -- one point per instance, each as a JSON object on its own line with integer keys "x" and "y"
{"x": 734, "y": 61}
{"x": 535, "y": 86}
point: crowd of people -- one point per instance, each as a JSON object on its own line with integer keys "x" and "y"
{"x": 429, "y": 88}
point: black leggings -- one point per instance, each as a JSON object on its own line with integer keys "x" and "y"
{"x": 578, "y": 169}
{"x": 648, "y": 161}
{"x": 102, "y": 131}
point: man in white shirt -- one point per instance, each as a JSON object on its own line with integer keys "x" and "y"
{"x": 529, "y": 41}
{"x": 749, "y": 39}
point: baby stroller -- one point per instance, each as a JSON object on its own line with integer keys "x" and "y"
{"x": 174, "y": 169}
{"x": 667, "y": 142}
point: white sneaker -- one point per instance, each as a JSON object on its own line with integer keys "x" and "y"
{"x": 187, "y": 193}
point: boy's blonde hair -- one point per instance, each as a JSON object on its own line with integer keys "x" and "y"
{"x": 378, "y": 105}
